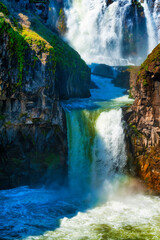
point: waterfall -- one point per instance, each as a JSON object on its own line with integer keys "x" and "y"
{"x": 96, "y": 148}
{"x": 80, "y": 132}
{"x": 109, "y": 155}
{"x": 95, "y": 30}
{"x": 156, "y": 16}
{"x": 113, "y": 34}
{"x": 137, "y": 26}
{"x": 151, "y": 28}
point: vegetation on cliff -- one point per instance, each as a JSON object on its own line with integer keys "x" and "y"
{"x": 150, "y": 69}
{"x": 4, "y": 9}
{"x": 27, "y": 31}
{"x": 144, "y": 121}
{"x": 37, "y": 68}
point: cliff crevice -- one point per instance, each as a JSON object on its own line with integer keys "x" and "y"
{"x": 37, "y": 70}
{"x": 143, "y": 118}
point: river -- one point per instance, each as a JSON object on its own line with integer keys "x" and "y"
{"x": 101, "y": 201}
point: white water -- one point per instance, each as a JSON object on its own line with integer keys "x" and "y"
{"x": 95, "y": 30}
{"x": 156, "y": 16}
{"x": 151, "y": 28}
{"x": 96, "y": 148}
{"x": 100, "y": 202}
{"x": 124, "y": 217}
{"x": 109, "y": 156}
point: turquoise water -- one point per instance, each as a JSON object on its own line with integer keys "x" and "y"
{"x": 100, "y": 202}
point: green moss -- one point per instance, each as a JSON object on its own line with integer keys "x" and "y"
{"x": 4, "y": 9}
{"x": 149, "y": 65}
{"x": 19, "y": 43}
{"x": 16, "y": 161}
{"x": 41, "y": 40}
{"x": 135, "y": 130}
{"x": 17, "y": 47}
{"x": 130, "y": 93}
{"x": 145, "y": 83}
{"x": 61, "y": 53}
{"x": 61, "y": 25}
{"x": 36, "y": 120}
{"x": 35, "y": 58}
{"x": 23, "y": 115}
{"x": 52, "y": 159}
{"x": 45, "y": 159}
{"x": 34, "y": 40}
{"x": 57, "y": 129}
{"x": 8, "y": 123}
{"x": 2, "y": 117}
{"x": 16, "y": 24}
{"x": 131, "y": 69}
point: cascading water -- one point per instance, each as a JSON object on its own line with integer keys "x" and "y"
{"x": 114, "y": 34}
{"x": 109, "y": 155}
{"x": 96, "y": 148}
{"x": 156, "y": 16}
{"x": 79, "y": 150}
{"x": 100, "y": 202}
{"x": 98, "y": 28}
{"x": 151, "y": 28}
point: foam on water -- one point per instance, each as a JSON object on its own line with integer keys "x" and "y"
{"x": 99, "y": 202}
{"x": 124, "y": 216}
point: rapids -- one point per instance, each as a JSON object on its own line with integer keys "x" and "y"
{"x": 100, "y": 202}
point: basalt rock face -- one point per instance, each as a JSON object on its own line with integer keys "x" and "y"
{"x": 125, "y": 76}
{"x": 122, "y": 76}
{"x": 37, "y": 70}
{"x": 104, "y": 70}
{"x": 39, "y": 7}
{"x": 144, "y": 122}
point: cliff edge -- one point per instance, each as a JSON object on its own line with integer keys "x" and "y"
{"x": 143, "y": 118}
{"x": 37, "y": 70}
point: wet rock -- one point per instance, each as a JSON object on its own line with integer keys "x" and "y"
{"x": 104, "y": 71}
{"x": 37, "y": 70}
{"x": 143, "y": 118}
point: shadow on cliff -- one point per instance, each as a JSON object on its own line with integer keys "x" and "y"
{"x": 32, "y": 212}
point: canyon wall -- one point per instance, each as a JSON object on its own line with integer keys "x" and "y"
{"x": 143, "y": 118}
{"x": 37, "y": 70}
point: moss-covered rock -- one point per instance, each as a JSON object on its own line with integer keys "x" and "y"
{"x": 150, "y": 69}
{"x": 63, "y": 64}
{"x": 4, "y": 9}
{"x": 62, "y": 22}
{"x": 37, "y": 69}
{"x": 144, "y": 118}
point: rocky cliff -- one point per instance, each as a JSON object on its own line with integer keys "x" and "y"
{"x": 37, "y": 70}
{"x": 143, "y": 134}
